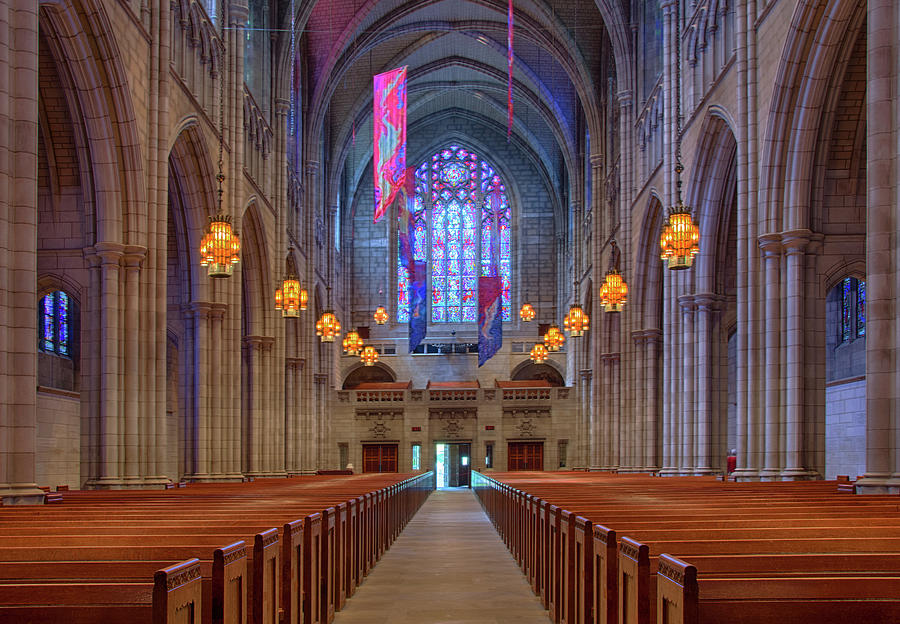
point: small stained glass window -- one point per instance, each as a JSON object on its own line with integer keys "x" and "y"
{"x": 853, "y": 308}
{"x": 860, "y": 308}
{"x": 55, "y": 323}
{"x": 846, "y": 295}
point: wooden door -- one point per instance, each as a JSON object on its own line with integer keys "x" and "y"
{"x": 380, "y": 458}
{"x": 525, "y": 456}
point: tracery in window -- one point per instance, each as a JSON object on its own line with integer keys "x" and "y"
{"x": 54, "y": 323}
{"x": 457, "y": 196}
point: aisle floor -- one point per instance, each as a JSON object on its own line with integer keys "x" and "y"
{"x": 448, "y": 566}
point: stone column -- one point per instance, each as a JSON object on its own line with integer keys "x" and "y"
{"x": 883, "y": 134}
{"x": 199, "y": 312}
{"x": 110, "y": 428}
{"x": 321, "y": 453}
{"x": 652, "y": 410}
{"x": 688, "y": 373}
{"x": 133, "y": 441}
{"x": 582, "y": 441}
{"x": 220, "y": 429}
{"x": 795, "y": 243}
{"x": 770, "y": 244}
{"x": 18, "y": 257}
{"x": 638, "y": 450}
{"x": 671, "y": 388}
{"x": 708, "y": 305}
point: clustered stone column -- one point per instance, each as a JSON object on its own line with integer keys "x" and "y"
{"x": 18, "y": 258}
{"x": 883, "y": 179}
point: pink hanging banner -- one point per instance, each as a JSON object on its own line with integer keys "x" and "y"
{"x": 390, "y": 137}
{"x": 509, "y": 67}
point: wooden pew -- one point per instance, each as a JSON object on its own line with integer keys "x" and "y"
{"x": 789, "y": 526}
{"x": 682, "y": 598}
{"x": 174, "y": 597}
{"x": 336, "y": 556}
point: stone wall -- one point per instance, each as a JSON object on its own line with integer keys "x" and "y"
{"x": 845, "y": 429}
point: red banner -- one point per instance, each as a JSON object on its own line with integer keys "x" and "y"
{"x": 389, "y": 161}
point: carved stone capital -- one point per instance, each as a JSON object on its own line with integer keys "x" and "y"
{"x": 282, "y": 106}
{"x": 109, "y": 253}
{"x": 198, "y": 309}
{"x": 770, "y": 244}
{"x": 795, "y": 241}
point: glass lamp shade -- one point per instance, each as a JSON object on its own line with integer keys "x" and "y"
{"x": 381, "y": 316}
{"x": 369, "y": 355}
{"x": 527, "y": 313}
{"x": 289, "y": 298}
{"x": 220, "y": 247}
{"x": 554, "y": 338}
{"x": 352, "y": 343}
{"x": 576, "y": 322}
{"x": 539, "y": 353}
{"x": 328, "y": 327}
{"x": 613, "y": 292}
{"x": 679, "y": 241}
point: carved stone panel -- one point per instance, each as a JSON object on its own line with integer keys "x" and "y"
{"x": 526, "y": 422}
{"x": 453, "y": 423}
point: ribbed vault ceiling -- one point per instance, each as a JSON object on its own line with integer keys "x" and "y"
{"x": 456, "y": 54}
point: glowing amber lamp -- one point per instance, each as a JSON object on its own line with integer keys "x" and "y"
{"x": 613, "y": 292}
{"x": 352, "y": 343}
{"x": 554, "y": 338}
{"x": 679, "y": 241}
{"x": 290, "y": 298}
{"x": 576, "y": 322}
{"x": 220, "y": 247}
{"x": 369, "y": 355}
{"x": 381, "y": 315}
{"x": 539, "y": 353}
{"x": 328, "y": 327}
{"x": 527, "y": 313}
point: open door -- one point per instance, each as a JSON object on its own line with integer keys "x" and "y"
{"x": 454, "y": 464}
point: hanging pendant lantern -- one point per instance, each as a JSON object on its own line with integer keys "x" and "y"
{"x": 290, "y": 298}
{"x": 680, "y": 238}
{"x": 328, "y": 327}
{"x": 220, "y": 247}
{"x": 679, "y": 241}
{"x": 576, "y": 322}
{"x": 369, "y": 355}
{"x": 352, "y": 343}
{"x": 381, "y": 316}
{"x": 539, "y": 353}
{"x": 554, "y": 338}
{"x": 613, "y": 292}
{"x": 527, "y": 313}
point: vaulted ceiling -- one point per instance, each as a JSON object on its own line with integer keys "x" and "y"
{"x": 456, "y": 53}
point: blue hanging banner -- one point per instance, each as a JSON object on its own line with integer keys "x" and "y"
{"x": 490, "y": 317}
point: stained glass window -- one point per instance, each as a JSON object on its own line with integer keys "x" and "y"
{"x": 461, "y": 204}
{"x": 54, "y": 323}
{"x": 860, "y": 308}
{"x": 853, "y": 308}
{"x": 846, "y": 293}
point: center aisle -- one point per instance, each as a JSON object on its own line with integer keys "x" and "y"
{"x": 449, "y": 566}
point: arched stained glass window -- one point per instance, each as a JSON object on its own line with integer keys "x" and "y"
{"x": 462, "y": 229}
{"x": 54, "y": 323}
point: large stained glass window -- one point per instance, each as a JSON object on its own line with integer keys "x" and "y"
{"x": 462, "y": 229}
{"x": 853, "y": 308}
{"x": 54, "y": 323}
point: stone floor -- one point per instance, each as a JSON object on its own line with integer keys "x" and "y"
{"x": 448, "y": 566}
